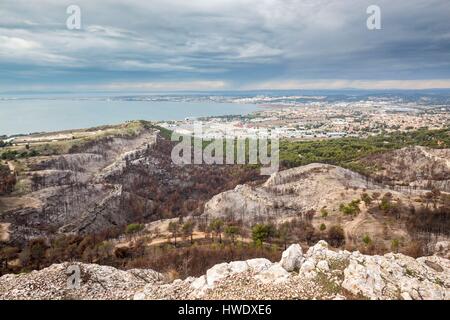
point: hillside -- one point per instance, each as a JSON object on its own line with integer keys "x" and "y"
{"x": 415, "y": 167}
{"x": 369, "y": 211}
{"x": 102, "y": 179}
{"x": 291, "y": 192}
{"x": 112, "y": 196}
{"x": 72, "y": 191}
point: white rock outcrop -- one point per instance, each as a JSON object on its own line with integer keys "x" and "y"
{"x": 292, "y": 258}
{"x": 275, "y": 274}
{"x": 340, "y": 274}
{"x": 223, "y": 270}
{"x": 442, "y": 248}
{"x": 321, "y": 273}
{"x": 96, "y": 283}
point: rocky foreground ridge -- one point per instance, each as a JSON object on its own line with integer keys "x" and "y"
{"x": 320, "y": 273}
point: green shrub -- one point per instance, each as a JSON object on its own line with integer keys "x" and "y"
{"x": 134, "y": 228}
{"x": 366, "y": 239}
{"x": 395, "y": 243}
{"x": 262, "y": 232}
{"x": 351, "y": 208}
{"x": 231, "y": 232}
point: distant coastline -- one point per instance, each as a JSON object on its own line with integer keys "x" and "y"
{"x": 24, "y": 116}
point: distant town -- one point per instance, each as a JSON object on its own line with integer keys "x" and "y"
{"x": 316, "y": 117}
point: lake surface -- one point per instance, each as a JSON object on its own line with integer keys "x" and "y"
{"x": 35, "y": 115}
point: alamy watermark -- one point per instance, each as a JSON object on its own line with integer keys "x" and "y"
{"x": 73, "y": 21}
{"x": 374, "y": 20}
{"x": 260, "y": 148}
{"x": 73, "y": 273}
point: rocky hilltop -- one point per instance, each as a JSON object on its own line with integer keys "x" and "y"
{"x": 290, "y": 192}
{"x": 385, "y": 211}
{"x": 302, "y": 189}
{"x": 318, "y": 273}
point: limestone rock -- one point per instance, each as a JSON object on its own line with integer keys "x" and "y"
{"x": 323, "y": 274}
{"x": 442, "y": 248}
{"x": 275, "y": 274}
{"x": 323, "y": 265}
{"x": 387, "y": 277}
{"x": 96, "y": 282}
{"x": 259, "y": 264}
{"x": 292, "y": 258}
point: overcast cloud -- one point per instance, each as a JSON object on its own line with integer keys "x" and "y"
{"x": 223, "y": 44}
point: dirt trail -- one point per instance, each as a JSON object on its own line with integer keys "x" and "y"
{"x": 195, "y": 236}
{"x": 362, "y": 222}
{"x": 164, "y": 238}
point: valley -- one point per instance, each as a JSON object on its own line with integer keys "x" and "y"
{"x": 112, "y": 196}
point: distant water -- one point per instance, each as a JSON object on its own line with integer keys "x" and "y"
{"x": 35, "y": 115}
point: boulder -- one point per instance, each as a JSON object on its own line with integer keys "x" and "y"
{"x": 292, "y": 258}
{"x": 276, "y": 274}
{"x": 199, "y": 283}
{"x": 216, "y": 273}
{"x": 323, "y": 265}
{"x": 259, "y": 264}
{"x": 396, "y": 276}
{"x": 307, "y": 266}
{"x": 238, "y": 266}
{"x": 442, "y": 248}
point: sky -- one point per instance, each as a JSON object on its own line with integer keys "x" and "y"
{"x": 198, "y": 45}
